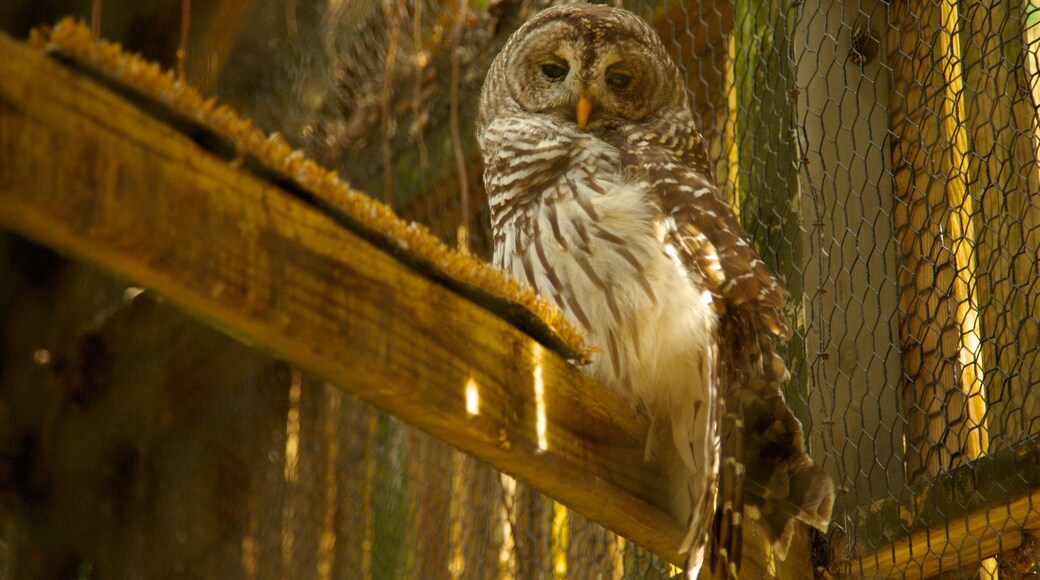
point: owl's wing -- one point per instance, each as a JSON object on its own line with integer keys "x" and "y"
{"x": 762, "y": 442}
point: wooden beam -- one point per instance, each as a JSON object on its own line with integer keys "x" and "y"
{"x": 960, "y": 519}
{"x": 925, "y": 182}
{"x": 98, "y": 178}
{"x": 1000, "y": 114}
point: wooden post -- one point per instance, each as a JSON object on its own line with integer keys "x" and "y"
{"x": 214, "y": 29}
{"x": 851, "y": 256}
{"x": 930, "y": 332}
{"x": 1000, "y": 115}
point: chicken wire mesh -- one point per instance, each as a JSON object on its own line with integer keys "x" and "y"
{"x": 882, "y": 156}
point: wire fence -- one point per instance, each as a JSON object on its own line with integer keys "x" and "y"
{"x": 883, "y": 157}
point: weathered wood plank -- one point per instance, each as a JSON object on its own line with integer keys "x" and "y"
{"x": 930, "y": 332}
{"x": 261, "y": 266}
{"x": 962, "y": 518}
{"x": 1001, "y": 113}
{"x": 850, "y": 254}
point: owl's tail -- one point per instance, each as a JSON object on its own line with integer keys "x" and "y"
{"x": 764, "y": 472}
{"x": 780, "y": 480}
{"x": 727, "y": 539}
{"x": 722, "y": 537}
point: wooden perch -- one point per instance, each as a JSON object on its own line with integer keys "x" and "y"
{"x": 98, "y": 178}
{"x": 93, "y": 175}
{"x": 957, "y": 520}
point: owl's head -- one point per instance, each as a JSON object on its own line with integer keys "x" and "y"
{"x": 589, "y": 66}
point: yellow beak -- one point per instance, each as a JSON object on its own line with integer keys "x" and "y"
{"x": 584, "y": 109}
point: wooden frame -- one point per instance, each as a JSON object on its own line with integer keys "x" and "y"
{"x": 959, "y": 519}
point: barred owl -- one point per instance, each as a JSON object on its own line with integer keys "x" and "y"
{"x": 602, "y": 199}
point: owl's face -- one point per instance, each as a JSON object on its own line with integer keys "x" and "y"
{"x": 589, "y": 66}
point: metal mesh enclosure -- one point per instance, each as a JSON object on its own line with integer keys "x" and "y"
{"x": 883, "y": 156}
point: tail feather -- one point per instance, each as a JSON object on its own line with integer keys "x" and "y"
{"x": 763, "y": 472}
{"x": 702, "y": 531}
{"x": 810, "y": 500}
{"x": 727, "y": 542}
{"x": 781, "y": 483}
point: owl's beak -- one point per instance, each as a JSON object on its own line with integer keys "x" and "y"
{"x": 583, "y": 112}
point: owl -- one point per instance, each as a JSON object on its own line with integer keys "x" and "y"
{"x": 602, "y": 199}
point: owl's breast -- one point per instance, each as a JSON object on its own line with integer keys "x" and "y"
{"x": 591, "y": 242}
{"x": 567, "y": 220}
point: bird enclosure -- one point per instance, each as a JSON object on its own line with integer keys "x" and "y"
{"x": 215, "y": 360}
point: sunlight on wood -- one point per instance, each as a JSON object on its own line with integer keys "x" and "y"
{"x": 462, "y": 239}
{"x": 1032, "y": 41}
{"x": 560, "y": 540}
{"x": 42, "y": 356}
{"x": 989, "y": 570}
{"x": 291, "y": 468}
{"x": 250, "y": 562}
{"x": 131, "y": 292}
{"x": 541, "y": 425}
{"x": 729, "y": 133}
{"x": 769, "y": 557}
{"x": 506, "y": 559}
{"x": 292, "y": 429}
{"x": 962, "y": 231}
{"x": 472, "y": 397}
{"x": 617, "y": 557}
{"x": 457, "y": 564}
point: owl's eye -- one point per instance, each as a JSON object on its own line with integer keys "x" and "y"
{"x": 554, "y": 71}
{"x": 618, "y": 81}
